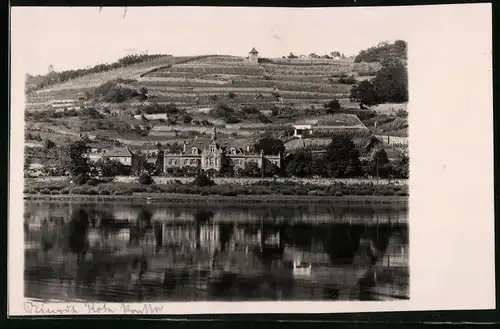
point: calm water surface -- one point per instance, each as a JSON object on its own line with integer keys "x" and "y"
{"x": 125, "y": 252}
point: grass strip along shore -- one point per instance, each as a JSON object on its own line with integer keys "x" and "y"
{"x": 258, "y": 192}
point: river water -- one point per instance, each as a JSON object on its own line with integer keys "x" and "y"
{"x": 153, "y": 252}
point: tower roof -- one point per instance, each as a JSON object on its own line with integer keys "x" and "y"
{"x": 254, "y": 51}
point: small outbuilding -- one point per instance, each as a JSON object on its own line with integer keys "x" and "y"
{"x": 253, "y": 56}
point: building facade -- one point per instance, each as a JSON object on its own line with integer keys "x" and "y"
{"x": 208, "y": 154}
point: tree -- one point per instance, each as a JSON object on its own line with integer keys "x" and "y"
{"x": 269, "y": 145}
{"x": 231, "y": 95}
{"x": 227, "y": 166}
{"x": 145, "y": 179}
{"x": 187, "y": 119}
{"x": 203, "y": 180}
{"x": 74, "y": 158}
{"x": 364, "y": 93}
{"x": 252, "y": 169}
{"x": 391, "y": 82}
{"x": 111, "y": 168}
{"x": 332, "y": 106}
{"x": 270, "y": 169}
{"x": 291, "y": 55}
{"x": 401, "y": 168}
{"x": 379, "y": 163}
{"x": 300, "y": 164}
{"x": 342, "y": 157}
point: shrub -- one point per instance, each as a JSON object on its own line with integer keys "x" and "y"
{"x": 228, "y": 193}
{"x": 203, "y": 180}
{"x": 145, "y": 179}
{"x": 92, "y": 182}
{"x": 204, "y": 193}
{"x": 45, "y": 191}
{"x": 300, "y": 191}
{"x": 64, "y": 190}
{"x": 93, "y": 191}
{"x": 338, "y": 193}
{"x": 81, "y": 179}
{"x": 104, "y": 192}
{"x": 317, "y": 193}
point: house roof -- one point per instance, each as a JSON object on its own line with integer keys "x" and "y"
{"x": 295, "y": 144}
{"x": 120, "y": 152}
{"x": 202, "y": 143}
{"x": 253, "y": 51}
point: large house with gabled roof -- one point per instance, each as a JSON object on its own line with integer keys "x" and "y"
{"x": 121, "y": 154}
{"x": 207, "y": 154}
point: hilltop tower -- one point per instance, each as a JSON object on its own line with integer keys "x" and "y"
{"x": 253, "y": 56}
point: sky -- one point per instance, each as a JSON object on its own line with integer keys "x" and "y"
{"x": 77, "y": 37}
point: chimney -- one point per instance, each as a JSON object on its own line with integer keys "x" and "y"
{"x": 184, "y": 147}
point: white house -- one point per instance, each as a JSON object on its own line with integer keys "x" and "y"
{"x": 300, "y": 131}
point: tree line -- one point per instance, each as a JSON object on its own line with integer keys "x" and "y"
{"x": 340, "y": 159}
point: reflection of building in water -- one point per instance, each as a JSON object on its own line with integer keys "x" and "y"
{"x": 179, "y": 234}
{"x": 291, "y": 253}
{"x": 209, "y": 237}
{"x": 242, "y": 240}
{"x": 116, "y": 239}
{"x": 128, "y": 214}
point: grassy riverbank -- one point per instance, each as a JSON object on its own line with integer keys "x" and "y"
{"x": 258, "y": 192}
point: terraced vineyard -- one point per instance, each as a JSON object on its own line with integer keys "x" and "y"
{"x": 194, "y": 83}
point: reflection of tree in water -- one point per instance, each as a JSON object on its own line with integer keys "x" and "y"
{"x": 143, "y": 222}
{"x": 225, "y": 234}
{"x": 77, "y": 237}
{"x": 201, "y": 217}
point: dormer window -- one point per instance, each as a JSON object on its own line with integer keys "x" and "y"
{"x": 232, "y": 150}
{"x": 194, "y": 150}
{"x": 212, "y": 148}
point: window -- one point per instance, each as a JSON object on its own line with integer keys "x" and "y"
{"x": 194, "y": 150}
{"x": 212, "y": 161}
{"x": 212, "y": 148}
{"x": 186, "y": 162}
{"x": 232, "y": 150}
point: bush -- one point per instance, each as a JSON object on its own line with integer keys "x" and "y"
{"x": 92, "y": 191}
{"x": 228, "y": 193}
{"x": 92, "y": 182}
{"x": 338, "y": 193}
{"x": 300, "y": 191}
{"x": 81, "y": 179}
{"x": 203, "y": 180}
{"x": 45, "y": 191}
{"x": 104, "y": 192}
{"x": 145, "y": 179}
{"x": 64, "y": 190}
{"x": 204, "y": 193}
{"x": 316, "y": 193}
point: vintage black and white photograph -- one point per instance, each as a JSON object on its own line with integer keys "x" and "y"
{"x": 238, "y": 160}
{"x": 173, "y": 156}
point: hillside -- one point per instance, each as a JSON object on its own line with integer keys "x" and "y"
{"x": 242, "y": 99}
